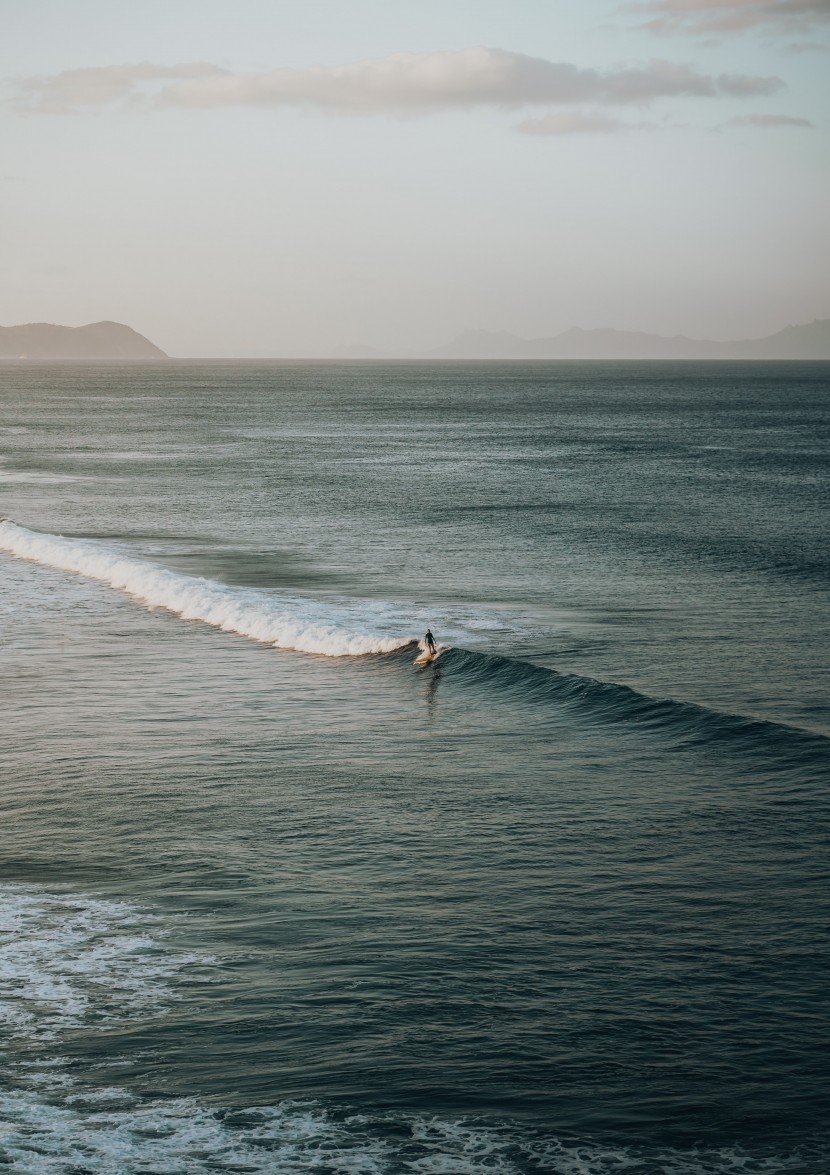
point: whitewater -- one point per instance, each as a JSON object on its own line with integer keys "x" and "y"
{"x": 301, "y": 625}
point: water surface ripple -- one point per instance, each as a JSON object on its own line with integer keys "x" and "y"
{"x": 275, "y": 899}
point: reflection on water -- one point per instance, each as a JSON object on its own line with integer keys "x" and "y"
{"x": 433, "y": 678}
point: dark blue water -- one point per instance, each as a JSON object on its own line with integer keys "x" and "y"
{"x": 276, "y": 899}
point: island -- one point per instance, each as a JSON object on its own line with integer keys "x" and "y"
{"x": 97, "y": 340}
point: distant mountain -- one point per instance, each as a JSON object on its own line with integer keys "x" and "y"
{"x": 114, "y": 340}
{"x": 98, "y": 340}
{"x": 809, "y": 341}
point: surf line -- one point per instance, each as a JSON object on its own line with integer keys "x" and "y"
{"x": 305, "y": 626}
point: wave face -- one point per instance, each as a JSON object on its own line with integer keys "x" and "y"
{"x": 304, "y": 625}
{"x": 684, "y": 723}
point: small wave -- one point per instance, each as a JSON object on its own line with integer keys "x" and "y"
{"x": 686, "y": 722}
{"x": 304, "y": 625}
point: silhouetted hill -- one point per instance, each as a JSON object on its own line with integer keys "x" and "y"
{"x": 809, "y": 341}
{"x": 98, "y": 340}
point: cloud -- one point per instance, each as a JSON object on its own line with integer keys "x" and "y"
{"x": 67, "y": 92}
{"x": 767, "y": 120}
{"x": 718, "y": 17}
{"x": 576, "y": 122}
{"x": 404, "y": 83}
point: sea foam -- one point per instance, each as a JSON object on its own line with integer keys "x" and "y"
{"x": 308, "y": 626}
{"x": 69, "y": 961}
{"x": 75, "y": 962}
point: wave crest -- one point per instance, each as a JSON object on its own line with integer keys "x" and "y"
{"x": 306, "y": 626}
{"x": 687, "y": 724}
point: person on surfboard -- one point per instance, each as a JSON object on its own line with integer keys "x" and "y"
{"x": 430, "y": 643}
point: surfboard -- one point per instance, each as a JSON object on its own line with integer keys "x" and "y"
{"x": 425, "y": 657}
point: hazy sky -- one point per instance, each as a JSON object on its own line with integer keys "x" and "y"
{"x": 281, "y": 177}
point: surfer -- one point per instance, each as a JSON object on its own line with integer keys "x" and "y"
{"x": 429, "y": 640}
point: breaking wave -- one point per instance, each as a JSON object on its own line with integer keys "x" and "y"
{"x": 334, "y": 630}
{"x": 340, "y": 629}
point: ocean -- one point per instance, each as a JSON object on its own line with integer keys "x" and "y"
{"x": 274, "y": 898}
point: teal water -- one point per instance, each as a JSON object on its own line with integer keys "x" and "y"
{"x": 274, "y": 898}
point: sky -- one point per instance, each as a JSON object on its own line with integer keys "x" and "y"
{"x": 275, "y": 178}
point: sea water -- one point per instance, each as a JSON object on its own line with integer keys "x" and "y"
{"x": 275, "y": 899}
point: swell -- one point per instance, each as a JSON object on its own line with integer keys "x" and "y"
{"x": 301, "y": 624}
{"x": 338, "y": 630}
{"x": 688, "y": 724}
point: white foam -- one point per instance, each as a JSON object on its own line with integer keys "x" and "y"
{"x": 184, "y": 1136}
{"x": 335, "y": 630}
{"x": 71, "y": 962}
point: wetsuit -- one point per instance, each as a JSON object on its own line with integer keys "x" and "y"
{"x": 430, "y": 640}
